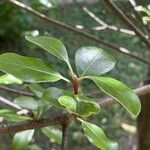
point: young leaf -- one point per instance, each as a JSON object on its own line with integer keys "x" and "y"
{"x": 26, "y": 102}
{"x": 51, "y": 95}
{"x": 81, "y": 105}
{"x": 93, "y": 61}
{"x": 36, "y": 89}
{"x": 28, "y": 69}
{"x": 53, "y": 134}
{"x": 21, "y": 139}
{"x": 97, "y": 136}
{"x": 50, "y": 44}
{"x": 9, "y": 79}
{"x": 120, "y": 92}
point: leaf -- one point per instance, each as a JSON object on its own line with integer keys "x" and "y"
{"x": 120, "y": 92}
{"x": 53, "y": 134}
{"x": 51, "y": 45}
{"x": 51, "y": 95}
{"x": 36, "y": 89}
{"x": 9, "y": 79}
{"x": 93, "y": 61}
{"x": 21, "y": 139}
{"x": 97, "y": 136}
{"x": 26, "y": 102}
{"x": 79, "y": 105}
{"x": 28, "y": 69}
{"x": 34, "y": 147}
{"x": 11, "y": 115}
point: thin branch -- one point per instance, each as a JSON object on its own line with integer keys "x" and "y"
{"x": 34, "y": 124}
{"x": 64, "y": 138}
{"x": 87, "y": 35}
{"x": 126, "y": 21}
{"x": 105, "y": 25}
{"x": 16, "y": 91}
{"x": 4, "y": 100}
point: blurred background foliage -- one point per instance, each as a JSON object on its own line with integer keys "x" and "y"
{"x": 16, "y": 23}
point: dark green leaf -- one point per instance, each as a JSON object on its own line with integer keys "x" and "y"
{"x": 51, "y": 95}
{"x": 79, "y": 105}
{"x": 9, "y": 79}
{"x": 21, "y": 139}
{"x": 51, "y": 45}
{"x": 93, "y": 61}
{"x": 97, "y": 136}
{"x": 120, "y": 92}
{"x": 53, "y": 134}
{"x": 26, "y": 102}
{"x": 28, "y": 69}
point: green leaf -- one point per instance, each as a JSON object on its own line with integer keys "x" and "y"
{"x": 28, "y": 69}
{"x": 120, "y": 92}
{"x": 79, "y": 105}
{"x": 9, "y": 79}
{"x": 93, "y": 61}
{"x": 51, "y": 95}
{"x": 97, "y": 136}
{"x": 50, "y": 44}
{"x": 21, "y": 139}
{"x": 36, "y": 89}
{"x": 34, "y": 147}
{"x": 11, "y": 115}
{"x": 53, "y": 134}
{"x": 26, "y": 102}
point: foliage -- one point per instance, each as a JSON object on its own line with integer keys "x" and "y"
{"x": 91, "y": 63}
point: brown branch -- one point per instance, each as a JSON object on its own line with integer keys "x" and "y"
{"x": 76, "y": 31}
{"x": 34, "y": 124}
{"x": 16, "y": 127}
{"x": 16, "y": 91}
{"x": 64, "y": 138}
{"x": 126, "y": 21}
{"x": 139, "y": 91}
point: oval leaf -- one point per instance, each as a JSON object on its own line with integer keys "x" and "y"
{"x": 120, "y": 92}
{"x": 26, "y": 102}
{"x": 53, "y": 134}
{"x": 9, "y": 79}
{"x": 28, "y": 69}
{"x": 50, "y": 44}
{"x": 81, "y": 106}
{"x": 93, "y": 61}
{"x": 21, "y": 139}
{"x": 97, "y": 136}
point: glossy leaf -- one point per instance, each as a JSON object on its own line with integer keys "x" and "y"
{"x": 36, "y": 89}
{"x": 79, "y": 105}
{"x": 9, "y": 79}
{"x": 26, "y": 102}
{"x": 53, "y": 134}
{"x": 51, "y": 95}
{"x": 93, "y": 61}
{"x": 21, "y": 139}
{"x": 120, "y": 92}
{"x": 97, "y": 136}
{"x": 28, "y": 69}
{"x": 50, "y": 44}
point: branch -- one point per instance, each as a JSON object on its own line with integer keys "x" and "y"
{"x": 76, "y": 31}
{"x": 16, "y": 91}
{"x": 139, "y": 91}
{"x": 35, "y": 124}
{"x": 126, "y": 21}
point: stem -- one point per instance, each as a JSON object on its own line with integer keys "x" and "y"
{"x": 64, "y": 137}
{"x": 70, "y": 68}
{"x": 75, "y": 83}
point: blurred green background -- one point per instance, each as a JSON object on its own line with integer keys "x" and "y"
{"x": 16, "y": 23}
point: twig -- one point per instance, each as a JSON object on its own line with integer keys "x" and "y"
{"x": 4, "y": 100}
{"x": 64, "y": 138}
{"x": 87, "y": 35}
{"x": 16, "y": 91}
{"x": 126, "y": 21}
